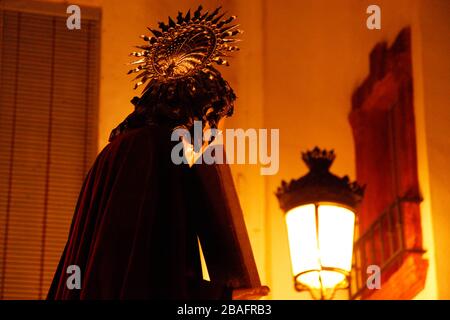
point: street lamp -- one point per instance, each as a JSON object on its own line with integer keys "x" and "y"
{"x": 320, "y": 213}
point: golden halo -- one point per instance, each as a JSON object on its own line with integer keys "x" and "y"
{"x": 181, "y": 49}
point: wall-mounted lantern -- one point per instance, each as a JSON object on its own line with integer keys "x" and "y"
{"x": 320, "y": 213}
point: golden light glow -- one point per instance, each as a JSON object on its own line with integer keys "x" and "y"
{"x": 321, "y": 247}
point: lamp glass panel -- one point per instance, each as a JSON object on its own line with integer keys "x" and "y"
{"x": 336, "y": 228}
{"x": 301, "y": 228}
{"x": 333, "y": 248}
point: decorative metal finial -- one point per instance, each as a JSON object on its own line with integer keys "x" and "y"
{"x": 317, "y": 159}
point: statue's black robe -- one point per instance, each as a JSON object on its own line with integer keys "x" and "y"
{"x": 135, "y": 227}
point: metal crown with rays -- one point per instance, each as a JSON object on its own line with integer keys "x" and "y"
{"x": 185, "y": 47}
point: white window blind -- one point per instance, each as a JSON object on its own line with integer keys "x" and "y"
{"x": 48, "y": 140}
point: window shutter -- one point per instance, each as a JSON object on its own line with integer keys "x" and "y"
{"x": 48, "y": 140}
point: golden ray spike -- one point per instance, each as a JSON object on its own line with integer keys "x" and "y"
{"x": 216, "y": 19}
{"x": 197, "y": 12}
{"x": 172, "y": 23}
{"x": 139, "y": 53}
{"x": 142, "y": 74}
{"x": 143, "y": 47}
{"x": 187, "y": 17}
{"x": 229, "y": 28}
{"x": 231, "y": 40}
{"x": 179, "y": 17}
{"x": 139, "y": 68}
{"x": 203, "y": 17}
{"x": 163, "y": 26}
{"x": 156, "y": 33}
{"x": 215, "y": 12}
{"x": 227, "y": 21}
{"x": 138, "y": 61}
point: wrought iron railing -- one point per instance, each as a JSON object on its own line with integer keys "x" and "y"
{"x": 383, "y": 244}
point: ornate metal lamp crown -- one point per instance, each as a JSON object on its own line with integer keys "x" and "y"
{"x": 319, "y": 184}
